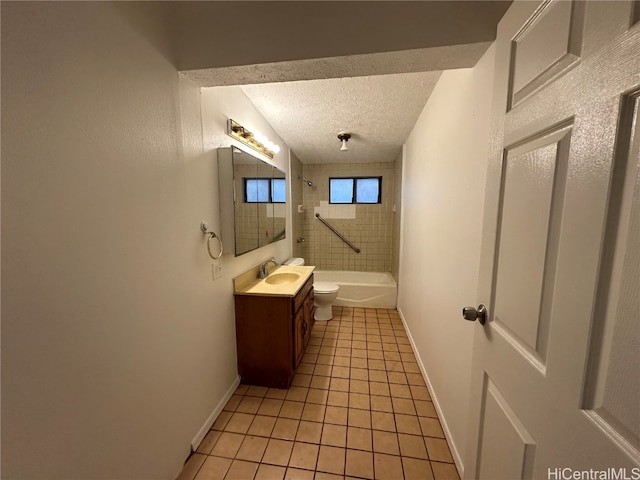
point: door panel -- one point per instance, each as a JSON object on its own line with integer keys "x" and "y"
{"x": 507, "y": 450}
{"x": 559, "y": 27}
{"x": 533, "y": 184}
{"x": 556, "y": 369}
{"x": 613, "y": 381}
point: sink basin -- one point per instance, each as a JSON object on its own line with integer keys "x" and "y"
{"x": 282, "y": 278}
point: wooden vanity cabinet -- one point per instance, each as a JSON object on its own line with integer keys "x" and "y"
{"x": 271, "y": 335}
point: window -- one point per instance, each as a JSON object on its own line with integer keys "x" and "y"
{"x": 355, "y": 190}
{"x": 264, "y": 190}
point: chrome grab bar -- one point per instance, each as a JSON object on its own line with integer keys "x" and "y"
{"x": 342, "y": 237}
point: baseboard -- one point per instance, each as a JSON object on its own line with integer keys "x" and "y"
{"x": 212, "y": 418}
{"x": 447, "y": 433}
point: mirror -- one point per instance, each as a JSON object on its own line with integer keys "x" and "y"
{"x": 252, "y": 200}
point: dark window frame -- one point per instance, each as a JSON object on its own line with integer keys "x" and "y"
{"x": 354, "y": 194}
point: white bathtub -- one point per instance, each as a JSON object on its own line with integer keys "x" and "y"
{"x": 361, "y": 289}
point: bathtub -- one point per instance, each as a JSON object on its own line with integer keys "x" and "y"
{"x": 361, "y": 289}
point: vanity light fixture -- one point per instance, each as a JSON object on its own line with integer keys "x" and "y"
{"x": 255, "y": 140}
{"x": 344, "y": 138}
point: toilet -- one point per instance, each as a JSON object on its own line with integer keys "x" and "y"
{"x": 324, "y": 294}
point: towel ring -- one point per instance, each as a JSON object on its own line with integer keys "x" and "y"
{"x": 212, "y": 234}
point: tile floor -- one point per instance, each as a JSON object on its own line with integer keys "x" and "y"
{"x": 358, "y": 408}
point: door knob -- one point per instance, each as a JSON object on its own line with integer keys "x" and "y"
{"x": 471, "y": 314}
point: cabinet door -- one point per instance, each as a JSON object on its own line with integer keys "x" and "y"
{"x": 298, "y": 336}
{"x": 308, "y": 308}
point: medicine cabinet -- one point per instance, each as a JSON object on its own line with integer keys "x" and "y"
{"x": 252, "y": 200}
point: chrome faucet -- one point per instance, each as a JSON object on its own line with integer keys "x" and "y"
{"x": 263, "y": 272}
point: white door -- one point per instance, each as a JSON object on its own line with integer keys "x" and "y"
{"x": 556, "y": 368}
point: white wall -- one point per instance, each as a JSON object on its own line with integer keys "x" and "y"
{"x": 116, "y": 344}
{"x": 445, "y": 167}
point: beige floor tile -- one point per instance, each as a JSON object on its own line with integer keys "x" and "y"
{"x": 262, "y": 426}
{"x": 242, "y": 389}
{"x": 241, "y": 469}
{"x": 385, "y": 442}
{"x": 313, "y": 412}
{"x": 408, "y": 424}
{"x": 397, "y": 377}
{"x": 412, "y": 446}
{"x": 256, "y": 391}
{"x": 425, "y": 408}
{"x": 291, "y": 410}
{"x": 378, "y": 376}
{"x": 359, "y": 418}
{"x": 334, "y": 435}
{"x": 383, "y": 421}
{"x": 305, "y": 368}
{"x": 320, "y": 382}
{"x": 301, "y": 380}
{"x": 277, "y": 393}
{"x": 324, "y": 370}
{"x": 249, "y": 405}
{"x": 325, "y": 359}
{"x": 359, "y": 374}
{"x": 359, "y": 439}
{"x": 336, "y": 415}
{"x": 415, "y": 379}
{"x": 379, "y": 388}
{"x": 317, "y": 396}
{"x": 298, "y": 474}
{"x": 227, "y": 445}
{"x": 444, "y": 471}
{"x": 431, "y": 427}
{"x": 359, "y": 386}
{"x": 285, "y": 429}
{"x": 399, "y": 391}
{"x": 331, "y": 459}
{"x": 233, "y": 403}
{"x": 419, "y": 392}
{"x": 309, "y": 432}
{"x": 340, "y": 371}
{"x": 270, "y": 472}
{"x": 304, "y": 455}
{"x": 222, "y": 420}
{"x": 411, "y": 367}
{"x": 376, "y": 355}
{"x": 387, "y": 467}
{"x": 297, "y": 394}
{"x": 393, "y": 364}
{"x": 415, "y": 469}
{"x": 359, "y": 363}
{"x": 338, "y": 399}
{"x": 403, "y": 405}
{"x": 381, "y": 404}
{"x": 376, "y": 364}
{"x": 341, "y": 362}
{"x": 252, "y": 448}
{"x": 270, "y": 406}
{"x": 192, "y": 466}
{"x": 339, "y": 384}
{"x": 278, "y": 452}
{"x": 438, "y": 450}
{"x": 359, "y": 400}
{"x": 214, "y": 468}
{"x": 359, "y": 464}
{"x": 208, "y": 442}
{"x": 239, "y": 422}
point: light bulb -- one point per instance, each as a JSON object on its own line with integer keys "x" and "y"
{"x": 344, "y": 148}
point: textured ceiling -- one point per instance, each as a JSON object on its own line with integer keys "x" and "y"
{"x": 378, "y": 111}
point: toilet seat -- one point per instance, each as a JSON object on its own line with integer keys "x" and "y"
{"x": 325, "y": 287}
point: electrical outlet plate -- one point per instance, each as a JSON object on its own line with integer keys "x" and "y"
{"x": 216, "y": 271}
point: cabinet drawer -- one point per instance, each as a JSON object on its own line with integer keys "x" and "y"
{"x": 298, "y": 300}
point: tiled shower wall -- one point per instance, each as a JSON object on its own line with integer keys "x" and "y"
{"x": 371, "y": 230}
